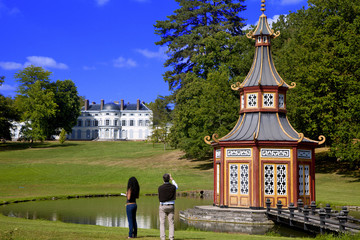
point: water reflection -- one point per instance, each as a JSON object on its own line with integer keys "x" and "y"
{"x": 111, "y": 212}
{"x": 108, "y": 212}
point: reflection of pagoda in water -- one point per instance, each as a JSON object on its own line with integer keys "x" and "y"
{"x": 263, "y": 156}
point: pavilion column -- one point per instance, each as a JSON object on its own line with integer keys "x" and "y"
{"x": 215, "y": 177}
{"x": 222, "y": 177}
{"x": 295, "y": 170}
{"x": 312, "y": 171}
{"x": 256, "y": 178}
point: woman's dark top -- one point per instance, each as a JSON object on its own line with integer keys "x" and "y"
{"x": 132, "y": 199}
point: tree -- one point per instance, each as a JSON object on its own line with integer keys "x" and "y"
{"x": 40, "y": 108}
{"x": 47, "y": 106}
{"x": 68, "y": 102}
{"x": 318, "y": 49}
{"x": 184, "y": 32}
{"x": 8, "y": 114}
{"x": 161, "y": 118}
{"x": 205, "y": 59}
{"x": 62, "y": 137}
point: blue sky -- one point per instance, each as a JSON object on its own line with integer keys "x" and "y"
{"x": 107, "y": 47}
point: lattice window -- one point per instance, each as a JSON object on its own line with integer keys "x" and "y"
{"x": 306, "y": 180}
{"x": 234, "y": 178}
{"x": 301, "y": 180}
{"x": 252, "y": 100}
{"x": 269, "y": 179}
{"x": 268, "y": 100}
{"x": 281, "y": 179}
{"x": 242, "y": 101}
{"x": 244, "y": 179}
{"x": 281, "y": 101}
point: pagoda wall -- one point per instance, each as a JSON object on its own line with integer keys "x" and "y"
{"x": 245, "y": 176}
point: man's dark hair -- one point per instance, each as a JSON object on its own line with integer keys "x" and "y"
{"x": 166, "y": 177}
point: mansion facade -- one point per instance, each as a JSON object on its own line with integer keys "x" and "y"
{"x": 112, "y": 121}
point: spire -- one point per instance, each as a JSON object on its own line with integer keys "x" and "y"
{"x": 263, "y": 6}
{"x": 262, "y": 28}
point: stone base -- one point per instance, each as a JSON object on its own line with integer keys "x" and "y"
{"x": 212, "y": 218}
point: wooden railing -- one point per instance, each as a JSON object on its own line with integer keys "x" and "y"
{"x": 312, "y": 219}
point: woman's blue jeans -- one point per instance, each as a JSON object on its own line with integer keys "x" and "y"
{"x": 131, "y": 215}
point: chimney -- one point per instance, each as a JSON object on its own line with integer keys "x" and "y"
{"x": 138, "y": 104}
{"x": 102, "y": 104}
{"x": 122, "y": 105}
{"x": 86, "y": 104}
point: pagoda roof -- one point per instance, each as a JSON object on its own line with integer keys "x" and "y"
{"x": 263, "y": 71}
{"x": 264, "y": 127}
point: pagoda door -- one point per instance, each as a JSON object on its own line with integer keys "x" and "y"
{"x": 304, "y": 183}
{"x": 276, "y": 183}
{"x": 238, "y": 185}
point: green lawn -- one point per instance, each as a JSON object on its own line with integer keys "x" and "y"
{"x": 81, "y": 168}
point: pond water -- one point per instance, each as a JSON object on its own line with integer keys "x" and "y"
{"x": 110, "y": 212}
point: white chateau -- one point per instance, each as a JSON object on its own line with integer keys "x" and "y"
{"x": 112, "y": 121}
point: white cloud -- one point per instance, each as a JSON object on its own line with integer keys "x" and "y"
{"x": 273, "y": 19}
{"x": 122, "y": 62}
{"x": 39, "y": 61}
{"x": 6, "y": 87}
{"x": 10, "y": 65}
{"x": 101, "y": 2}
{"x": 161, "y": 53}
{"x": 44, "y": 62}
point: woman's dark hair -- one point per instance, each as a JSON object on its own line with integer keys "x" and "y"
{"x": 133, "y": 185}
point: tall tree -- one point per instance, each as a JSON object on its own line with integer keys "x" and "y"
{"x": 47, "y": 106}
{"x": 204, "y": 60}
{"x": 318, "y": 49}
{"x": 185, "y": 30}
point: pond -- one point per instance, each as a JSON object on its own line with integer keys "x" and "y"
{"x": 110, "y": 212}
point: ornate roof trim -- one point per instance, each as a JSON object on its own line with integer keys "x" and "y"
{"x": 235, "y": 129}
{"x": 282, "y": 128}
{"x": 261, "y": 64}
{"x": 256, "y": 134}
{"x": 252, "y": 68}
{"x": 292, "y": 85}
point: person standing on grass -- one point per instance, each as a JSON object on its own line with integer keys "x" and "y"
{"x": 167, "y": 196}
{"x": 132, "y": 193}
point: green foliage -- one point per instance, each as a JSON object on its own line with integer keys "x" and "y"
{"x": 40, "y": 107}
{"x": 62, "y": 137}
{"x": 184, "y": 32}
{"x": 204, "y": 56}
{"x": 318, "y": 49}
{"x": 46, "y": 106}
{"x": 8, "y": 113}
{"x": 161, "y": 119}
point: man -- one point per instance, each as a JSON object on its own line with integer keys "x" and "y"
{"x": 167, "y": 196}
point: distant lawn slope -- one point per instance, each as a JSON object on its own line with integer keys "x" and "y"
{"x": 52, "y": 169}
{"x": 79, "y": 168}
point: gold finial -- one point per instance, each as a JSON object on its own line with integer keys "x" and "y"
{"x": 263, "y": 6}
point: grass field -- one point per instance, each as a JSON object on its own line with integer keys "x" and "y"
{"x": 81, "y": 168}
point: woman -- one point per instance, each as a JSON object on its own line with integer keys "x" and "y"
{"x": 133, "y": 190}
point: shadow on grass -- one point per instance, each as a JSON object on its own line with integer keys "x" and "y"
{"x": 11, "y": 146}
{"x": 327, "y": 164}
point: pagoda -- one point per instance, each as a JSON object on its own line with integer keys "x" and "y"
{"x": 263, "y": 156}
